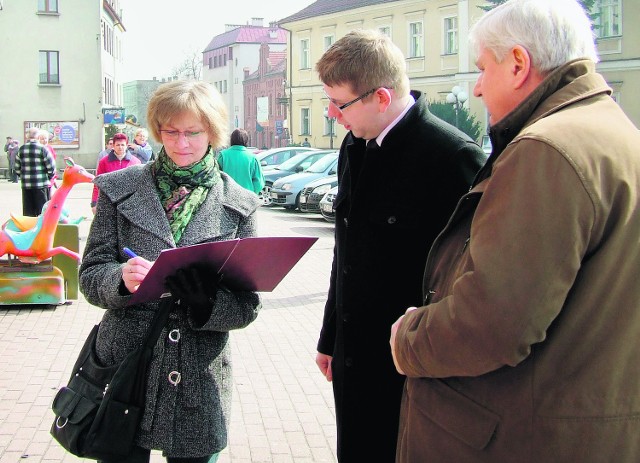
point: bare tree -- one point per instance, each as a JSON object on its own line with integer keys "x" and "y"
{"x": 190, "y": 67}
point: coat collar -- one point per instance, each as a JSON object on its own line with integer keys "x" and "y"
{"x": 572, "y": 82}
{"x": 134, "y": 193}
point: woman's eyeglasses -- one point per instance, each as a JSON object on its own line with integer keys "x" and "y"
{"x": 175, "y": 134}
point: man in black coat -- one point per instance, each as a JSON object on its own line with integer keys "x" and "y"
{"x": 401, "y": 172}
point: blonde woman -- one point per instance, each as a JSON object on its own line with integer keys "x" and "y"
{"x": 180, "y": 199}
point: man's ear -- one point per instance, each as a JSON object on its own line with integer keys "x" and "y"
{"x": 384, "y": 98}
{"x": 521, "y": 61}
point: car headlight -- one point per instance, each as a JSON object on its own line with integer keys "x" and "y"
{"x": 322, "y": 189}
{"x": 286, "y": 186}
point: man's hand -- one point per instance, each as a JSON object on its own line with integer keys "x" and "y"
{"x": 324, "y": 363}
{"x": 392, "y": 340}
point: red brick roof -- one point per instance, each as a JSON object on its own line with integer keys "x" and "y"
{"x": 248, "y": 34}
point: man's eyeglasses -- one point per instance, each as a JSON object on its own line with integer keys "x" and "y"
{"x": 355, "y": 100}
{"x": 175, "y": 134}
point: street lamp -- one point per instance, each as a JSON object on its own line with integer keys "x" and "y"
{"x": 457, "y": 97}
{"x": 331, "y": 120}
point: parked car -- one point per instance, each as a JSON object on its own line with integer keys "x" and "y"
{"x": 486, "y": 144}
{"x": 327, "y": 205}
{"x": 286, "y": 190}
{"x": 313, "y": 192}
{"x": 273, "y": 157}
{"x": 298, "y": 163}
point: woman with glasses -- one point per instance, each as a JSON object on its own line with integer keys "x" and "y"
{"x": 180, "y": 199}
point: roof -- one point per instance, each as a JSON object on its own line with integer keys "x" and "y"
{"x": 248, "y": 34}
{"x": 276, "y": 60}
{"x": 322, "y": 7}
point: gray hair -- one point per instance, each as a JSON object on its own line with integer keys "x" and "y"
{"x": 554, "y": 32}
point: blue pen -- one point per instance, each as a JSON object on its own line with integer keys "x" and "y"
{"x": 129, "y": 252}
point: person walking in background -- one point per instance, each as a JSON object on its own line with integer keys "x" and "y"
{"x": 11, "y": 147}
{"x": 526, "y": 346}
{"x": 240, "y": 163}
{"x": 107, "y": 149}
{"x": 140, "y": 148}
{"x": 385, "y": 222}
{"x": 36, "y": 167}
{"x": 306, "y": 142}
{"x": 119, "y": 158}
{"x": 44, "y": 137}
{"x": 178, "y": 200}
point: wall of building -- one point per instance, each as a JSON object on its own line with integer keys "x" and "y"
{"x": 436, "y": 72}
{"x": 76, "y": 33}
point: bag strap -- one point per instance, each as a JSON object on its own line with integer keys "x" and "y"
{"x": 159, "y": 321}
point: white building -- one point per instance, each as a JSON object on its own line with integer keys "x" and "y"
{"x": 61, "y": 64}
{"x": 232, "y": 54}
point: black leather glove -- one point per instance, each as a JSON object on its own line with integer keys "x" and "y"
{"x": 194, "y": 289}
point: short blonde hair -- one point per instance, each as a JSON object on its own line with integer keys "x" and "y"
{"x": 196, "y": 97}
{"x": 364, "y": 59}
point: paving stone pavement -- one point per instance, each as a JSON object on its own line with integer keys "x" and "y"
{"x": 282, "y": 406}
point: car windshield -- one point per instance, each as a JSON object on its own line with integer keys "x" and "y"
{"x": 322, "y": 164}
{"x": 292, "y": 163}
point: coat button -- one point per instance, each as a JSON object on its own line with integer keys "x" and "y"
{"x": 346, "y": 317}
{"x": 346, "y": 222}
{"x": 391, "y": 220}
{"x": 174, "y": 378}
{"x": 348, "y": 362}
{"x": 174, "y": 335}
{"x": 346, "y": 269}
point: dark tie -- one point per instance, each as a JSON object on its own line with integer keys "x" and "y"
{"x": 372, "y": 144}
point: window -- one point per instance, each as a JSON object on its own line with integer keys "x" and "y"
{"x": 305, "y": 62}
{"x": 608, "y": 18}
{"x": 327, "y": 42}
{"x": 450, "y": 35}
{"x": 305, "y": 128}
{"x": 416, "y": 42}
{"x": 328, "y": 123}
{"x": 47, "y": 6}
{"x": 49, "y": 67}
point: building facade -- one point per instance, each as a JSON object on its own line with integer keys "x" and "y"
{"x": 231, "y": 56}
{"x": 264, "y": 101}
{"x": 57, "y": 80}
{"x": 433, "y": 35}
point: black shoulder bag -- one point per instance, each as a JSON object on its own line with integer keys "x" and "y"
{"x": 98, "y": 412}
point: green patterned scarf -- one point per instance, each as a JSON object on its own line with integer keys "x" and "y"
{"x": 183, "y": 189}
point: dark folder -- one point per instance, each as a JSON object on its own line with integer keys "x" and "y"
{"x": 246, "y": 264}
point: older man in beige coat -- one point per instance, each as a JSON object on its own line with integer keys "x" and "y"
{"x": 527, "y": 348}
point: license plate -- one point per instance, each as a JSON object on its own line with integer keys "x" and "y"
{"x": 303, "y": 199}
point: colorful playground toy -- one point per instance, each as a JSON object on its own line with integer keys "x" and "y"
{"x": 36, "y": 244}
{"x": 42, "y": 256}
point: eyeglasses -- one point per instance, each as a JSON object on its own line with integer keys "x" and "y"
{"x": 175, "y": 134}
{"x": 349, "y": 103}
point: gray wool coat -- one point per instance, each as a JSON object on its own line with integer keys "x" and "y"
{"x": 190, "y": 418}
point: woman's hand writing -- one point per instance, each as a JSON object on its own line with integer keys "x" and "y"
{"x": 134, "y": 271}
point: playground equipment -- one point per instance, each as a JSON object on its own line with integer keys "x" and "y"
{"x": 42, "y": 256}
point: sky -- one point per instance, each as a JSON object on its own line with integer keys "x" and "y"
{"x": 161, "y": 33}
